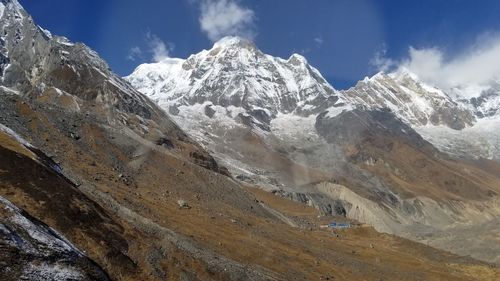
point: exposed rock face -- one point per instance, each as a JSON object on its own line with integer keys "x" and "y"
{"x": 35, "y": 182}
{"x": 326, "y": 205}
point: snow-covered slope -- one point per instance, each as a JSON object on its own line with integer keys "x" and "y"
{"x": 234, "y": 84}
{"x": 220, "y": 95}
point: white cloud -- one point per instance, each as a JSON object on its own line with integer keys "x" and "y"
{"x": 159, "y": 49}
{"x": 466, "y": 73}
{"x": 428, "y": 64}
{"x": 221, "y": 18}
{"x": 134, "y": 53}
{"x": 318, "y": 41}
{"x": 154, "y": 46}
{"x": 381, "y": 62}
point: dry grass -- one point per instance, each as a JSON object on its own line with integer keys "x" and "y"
{"x": 225, "y": 219}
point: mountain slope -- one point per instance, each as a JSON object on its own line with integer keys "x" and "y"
{"x": 46, "y": 194}
{"x": 31, "y": 180}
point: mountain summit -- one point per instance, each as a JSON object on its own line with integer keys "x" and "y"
{"x": 234, "y": 73}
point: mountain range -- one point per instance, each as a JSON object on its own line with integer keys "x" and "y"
{"x": 228, "y": 165}
{"x": 256, "y": 88}
{"x": 390, "y": 151}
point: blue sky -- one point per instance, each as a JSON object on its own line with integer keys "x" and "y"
{"x": 342, "y": 38}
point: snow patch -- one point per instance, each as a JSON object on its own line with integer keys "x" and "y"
{"x": 46, "y": 32}
{"x": 58, "y": 91}
{"x": 13, "y": 134}
{"x": 64, "y": 41}
{"x": 10, "y": 90}
{"x": 335, "y": 111}
{"x": 43, "y": 234}
{"x": 2, "y": 9}
{"x": 49, "y": 272}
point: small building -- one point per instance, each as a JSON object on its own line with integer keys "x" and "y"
{"x": 339, "y": 225}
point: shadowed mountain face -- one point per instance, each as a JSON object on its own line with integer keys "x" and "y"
{"x": 352, "y": 127}
{"x": 378, "y": 152}
{"x": 32, "y": 250}
{"x": 117, "y": 189}
{"x": 35, "y": 250}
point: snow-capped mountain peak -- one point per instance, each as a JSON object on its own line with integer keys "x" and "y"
{"x": 412, "y": 100}
{"x": 235, "y": 73}
{"x": 235, "y": 42}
